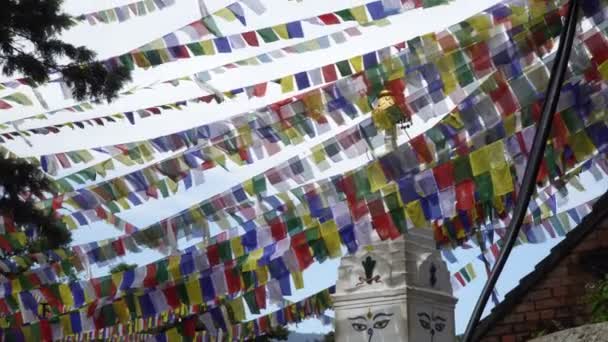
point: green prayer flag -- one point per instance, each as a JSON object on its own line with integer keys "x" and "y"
{"x": 345, "y": 15}
{"x": 251, "y": 302}
{"x": 196, "y": 49}
{"x": 162, "y": 272}
{"x": 259, "y": 184}
{"x": 268, "y": 35}
{"x": 344, "y": 68}
{"x": 483, "y": 186}
{"x": 462, "y": 169}
{"x": 225, "y": 251}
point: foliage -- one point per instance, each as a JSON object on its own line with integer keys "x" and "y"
{"x": 29, "y": 46}
{"x": 122, "y": 267}
{"x": 20, "y": 184}
{"x": 279, "y": 333}
{"x": 598, "y": 299}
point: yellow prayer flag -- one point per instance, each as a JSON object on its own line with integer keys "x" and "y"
{"x": 238, "y": 309}
{"x": 445, "y": 65}
{"x": 26, "y": 329}
{"x": 122, "y": 313}
{"x": 359, "y": 14}
{"x": 262, "y": 275}
{"x": 471, "y": 271}
{"x": 357, "y": 63}
{"x": 498, "y": 204}
{"x": 318, "y": 154}
{"x": 362, "y": 104}
{"x": 117, "y": 279}
{"x": 252, "y": 260}
{"x": 173, "y": 267}
{"x": 237, "y": 247}
{"x": 193, "y": 289}
{"x": 69, "y": 222}
{"x": 248, "y": 187}
{"x": 329, "y": 232}
{"x": 510, "y": 123}
{"x": 281, "y": 31}
{"x": 415, "y": 214}
{"x": 307, "y": 220}
{"x": 479, "y": 161}
{"x": 173, "y": 335}
{"x": 501, "y": 179}
{"x": 66, "y": 324}
{"x": 245, "y": 135}
{"x": 66, "y": 295}
{"x": 581, "y": 145}
{"x": 172, "y": 185}
{"x": 603, "y": 69}
{"x": 123, "y": 203}
{"x": 225, "y": 14}
{"x": 140, "y": 59}
{"x": 208, "y": 47}
{"x": 287, "y": 84}
{"x": 496, "y": 153}
{"x": 376, "y": 177}
{"x": 519, "y": 15}
{"x": 298, "y": 280}
{"x": 481, "y": 23}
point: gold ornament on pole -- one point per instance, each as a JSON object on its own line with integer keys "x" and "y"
{"x": 387, "y": 115}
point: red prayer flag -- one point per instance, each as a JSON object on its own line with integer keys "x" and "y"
{"x": 444, "y": 175}
{"x": 329, "y": 73}
{"x": 213, "y": 255}
{"x": 504, "y": 99}
{"x": 421, "y": 149}
{"x": 150, "y": 279}
{"x": 118, "y": 247}
{"x": 189, "y": 327}
{"x": 385, "y": 227}
{"x": 480, "y": 55}
{"x": 301, "y": 250}
{"x": 465, "y": 195}
{"x": 171, "y": 297}
{"x": 460, "y": 279}
{"x": 5, "y": 105}
{"x": 329, "y": 19}
{"x": 260, "y": 297}
{"x": 251, "y": 38}
{"x": 277, "y": 228}
{"x": 233, "y": 280}
{"x": 46, "y": 333}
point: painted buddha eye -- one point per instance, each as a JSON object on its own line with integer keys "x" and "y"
{"x": 381, "y": 324}
{"x": 425, "y": 324}
{"x": 359, "y": 327}
{"x": 439, "y": 326}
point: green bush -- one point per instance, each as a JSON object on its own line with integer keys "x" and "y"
{"x": 598, "y": 299}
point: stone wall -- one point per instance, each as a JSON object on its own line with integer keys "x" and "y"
{"x": 555, "y": 301}
{"x": 587, "y": 333}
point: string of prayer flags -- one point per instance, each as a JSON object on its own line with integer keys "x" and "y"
{"x": 447, "y": 120}
{"x": 311, "y": 307}
{"x": 76, "y": 154}
{"x": 19, "y": 98}
{"x": 147, "y": 56}
{"x": 418, "y": 211}
{"x": 264, "y": 58}
{"x": 125, "y": 12}
{"x": 540, "y": 231}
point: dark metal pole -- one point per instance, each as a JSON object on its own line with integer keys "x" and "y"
{"x": 536, "y": 155}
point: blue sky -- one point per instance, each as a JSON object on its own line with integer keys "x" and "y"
{"x": 112, "y": 39}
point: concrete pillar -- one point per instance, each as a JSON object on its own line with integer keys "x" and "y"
{"x": 395, "y": 291}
